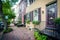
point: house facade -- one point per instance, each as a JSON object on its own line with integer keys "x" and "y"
{"x": 22, "y": 10}
{"x": 16, "y": 11}
{"x": 44, "y": 11}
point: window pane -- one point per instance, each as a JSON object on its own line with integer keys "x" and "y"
{"x": 35, "y": 15}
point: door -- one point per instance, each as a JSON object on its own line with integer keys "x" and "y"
{"x": 24, "y": 19}
{"x": 51, "y": 14}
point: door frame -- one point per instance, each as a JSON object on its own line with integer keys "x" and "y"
{"x": 46, "y": 9}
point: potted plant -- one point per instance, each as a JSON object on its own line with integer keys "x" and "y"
{"x": 7, "y": 30}
{"x": 57, "y": 24}
{"x": 28, "y": 21}
{"x": 20, "y": 21}
{"x": 36, "y": 23}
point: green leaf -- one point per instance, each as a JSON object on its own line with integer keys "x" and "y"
{"x": 36, "y": 22}
{"x": 6, "y": 7}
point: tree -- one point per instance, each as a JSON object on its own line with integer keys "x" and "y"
{"x": 13, "y": 2}
{"x": 6, "y": 8}
{"x": 2, "y": 15}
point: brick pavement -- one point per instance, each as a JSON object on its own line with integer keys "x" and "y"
{"x": 1, "y": 33}
{"x": 19, "y": 33}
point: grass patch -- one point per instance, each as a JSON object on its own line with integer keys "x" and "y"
{"x": 7, "y": 30}
{"x": 39, "y": 36}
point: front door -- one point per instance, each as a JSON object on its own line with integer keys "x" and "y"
{"x": 51, "y": 14}
{"x": 24, "y": 19}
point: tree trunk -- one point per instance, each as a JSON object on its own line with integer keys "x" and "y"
{"x": 5, "y": 22}
{"x": 3, "y": 16}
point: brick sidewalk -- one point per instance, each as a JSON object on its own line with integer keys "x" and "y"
{"x": 1, "y": 33}
{"x": 19, "y": 33}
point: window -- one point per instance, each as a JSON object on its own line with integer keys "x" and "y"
{"x": 28, "y": 16}
{"x": 35, "y": 15}
{"x": 29, "y": 2}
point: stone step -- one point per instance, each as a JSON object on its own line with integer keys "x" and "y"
{"x": 52, "y": 33}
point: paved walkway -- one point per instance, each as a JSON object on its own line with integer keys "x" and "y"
{"x": 1, "y": 33}
{"x": 19, "y": 33}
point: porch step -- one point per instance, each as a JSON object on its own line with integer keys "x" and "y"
{"x": 51, "y": 33}
{"x": 50, "y": 28}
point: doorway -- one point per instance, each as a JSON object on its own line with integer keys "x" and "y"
{"x": 51, "y": 14}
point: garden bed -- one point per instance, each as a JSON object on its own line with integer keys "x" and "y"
{"x": 39, "y": 36}
{"x": 7, "y": 30}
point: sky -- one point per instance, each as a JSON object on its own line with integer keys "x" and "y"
{"x": 16, "y": 4}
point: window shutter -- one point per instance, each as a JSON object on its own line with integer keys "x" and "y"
{"x": 29, "y": 16}
{"x": 39, "y": 14}
{"x": 32, "y": 16}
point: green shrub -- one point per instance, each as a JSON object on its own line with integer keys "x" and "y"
{"x": 20, "y": 21}
{"x": 36, "y": 22}
{"x": 8, "y": 23}
{"x": 7, "y": 30}
{"x": 39, "y": 36}
{"x": 28, "y": 21}
{"x": 57, "y": 21}
{"x": 57, "y": 24}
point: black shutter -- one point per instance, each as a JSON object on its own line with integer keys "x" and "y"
{"x": 39, "y": 14}
{"x": 32, "y": 16}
